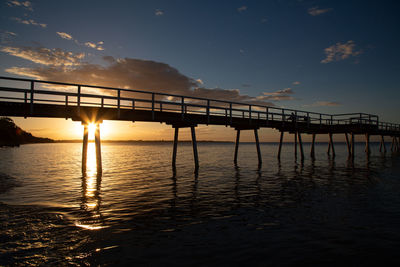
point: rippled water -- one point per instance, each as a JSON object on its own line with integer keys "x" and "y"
{"x": 328, "y": 211}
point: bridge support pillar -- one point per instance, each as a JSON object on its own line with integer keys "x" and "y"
{"x": 280, "y": 145}
{"x": 392, "y": 145}
{"x": 175, "y": 147}
{"x": 348, "y": 144}
{"x": 258, "y": 147}
{"x": 352, "y": 145}
{"x": 301, "y": 146}
{"x": 313, "y": 146}
{"x": 194, "y": 143}
{"x": 367, "y": 144}
{"x": 382, "y": 144}
{"x": 330, "y": 146}
{"x": 295, "y": 145}
{"x": 85, "y": 147}
{"x": 98, "y": 148}
{"x": 236, "y": 146}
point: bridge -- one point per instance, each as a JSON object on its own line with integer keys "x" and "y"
{"x": 93, "y": 104}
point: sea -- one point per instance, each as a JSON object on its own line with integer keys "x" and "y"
{"x": 139, "y": 211}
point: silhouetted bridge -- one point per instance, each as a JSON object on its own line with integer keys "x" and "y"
{"x": 93, "y": 104}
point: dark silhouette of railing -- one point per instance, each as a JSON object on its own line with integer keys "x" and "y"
{"x": 91, "y": 103}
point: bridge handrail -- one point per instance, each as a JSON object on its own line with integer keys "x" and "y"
{"x": 179, "y": 100}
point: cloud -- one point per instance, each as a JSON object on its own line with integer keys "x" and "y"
{"x": 296, "y": 83}
{"x": 158, "y": 12}
{"x": 324, "y": 104}
{"x": 315, "y": 11}
{"x": 97, "y": 46}
{"x": 200, "y": 81}
{"x": 242, "y": 8}
{"x": 45, "y": 56}
{"x": 24, "y": 4}
{"x": 340, "y": 51}
{"x": 65, "y": 35}
{"x": 6, "y": 36}
{"x": 130, "y": 73}
{"x": 284, "y": 94}
{"x": 29, "y": 22}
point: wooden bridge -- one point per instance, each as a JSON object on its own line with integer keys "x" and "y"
{"x": 93, "y": 104}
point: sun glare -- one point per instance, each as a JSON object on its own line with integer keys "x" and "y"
{"x": 92, "y": 129}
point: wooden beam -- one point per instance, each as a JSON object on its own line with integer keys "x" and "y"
{"x": 295, "y": 144}
{"x": 367, "y": 144}
{"x": 236, "y": 146}
{"x": 175, "y": 147}
{"x": 85, "y": 147}
{"x": 301, "y": 146}
{"x": 195, "y": 155}
{"x": 98, "y": 148}
{"x": 258, "y": 147}
{"x": 280, "y": 145}
{"x": 348, "y": 144}
{"x": 313, "y": 146}
{"x": 331, "y": 144}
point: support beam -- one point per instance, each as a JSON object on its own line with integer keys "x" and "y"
{"x": 295, "y": 144}
{"x": 194, "y": 143}
{"x": 352, "y": 145}
{"x": 382, "y": 144}
{"x": 392, "y": 145}
{"x": 280, "y": 145}
{"x": 331, "y": 144}
{"x": 258, "y": 147}
{"x": 313, "y": 146}
{"x": 175, "y": 147}
{"x": 301, "y": 146}
{"x": 348, "y": 144}
{"x": 236, "y": 146}
{"x": 98, "y": 148}
{"x": 85, "y": 147}
{"x": 367, "y": 144}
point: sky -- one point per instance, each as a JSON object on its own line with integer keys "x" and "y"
{"x": 322, "y": 56}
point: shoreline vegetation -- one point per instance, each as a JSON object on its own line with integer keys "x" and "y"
{"x": 12, "y": 135}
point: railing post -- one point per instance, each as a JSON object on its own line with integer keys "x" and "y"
{"x": 79, "y": 100}
{"x": 266, "y": 113}
{"x": 183, "y": 106}
{"x": 102, "y": 102}
{"x": 152, "y": 106}
{"x": 230, "y": 112}
{"x": 160, "y": 106}
{"x": 26, "y": 97}
{"x": 32, "y": 94}
{"x": 320, "y": 120}
{"x": 249, "y": 113}
{"x": 133, "y": 104}
{"x": 208, "y": 111}
{"x": 308, "y": 119}
{"x": 119, "y": 103}
{"x": 331, "y": 120}
{"x": 283, "y": 117}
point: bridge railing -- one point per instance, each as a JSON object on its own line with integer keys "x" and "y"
{"x": 31, "y": 91}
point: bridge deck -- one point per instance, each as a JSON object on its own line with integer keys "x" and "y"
{"x": 88, "y": 103}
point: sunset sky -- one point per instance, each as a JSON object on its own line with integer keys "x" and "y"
{"x": 322, "y": 56}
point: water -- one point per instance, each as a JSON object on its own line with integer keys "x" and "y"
{"x": 326, "y": 212}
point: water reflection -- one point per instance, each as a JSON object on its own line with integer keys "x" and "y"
{"x": 90, "y": 207}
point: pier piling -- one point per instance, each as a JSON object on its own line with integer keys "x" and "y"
{"x": 194, "y": 143}
{"x": 236, "y": 146}
{"x": 280, "y": 145}
{"x": 98, "y": 148}
{"x": 85, "y": 147}
{"x": 301, "y": 146}
{"x": 175, "y": 147}
{"x": 313, "y": 146}
{"x": 258, "y": 147}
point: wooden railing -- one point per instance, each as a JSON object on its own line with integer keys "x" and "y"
{"x": 69, "y": 94}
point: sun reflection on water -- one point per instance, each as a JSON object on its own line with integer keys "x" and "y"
{"x": 91, "y": 198}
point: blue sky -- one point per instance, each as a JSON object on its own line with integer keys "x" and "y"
{"x": 335, "y": 56}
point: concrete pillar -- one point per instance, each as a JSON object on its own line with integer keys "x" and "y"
{"x": 258, "y": 147}
{"x": 175, "y": 147}
{"x": 280, "y": 145}
{"x": 194, "y": 143}
{"x": 313, "y": 146}
{"x": 301, "y": 146}
{"x": 236, "y": 146}
{"x": 98, "y": 148}
{"x": 85, "y": 147}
